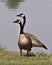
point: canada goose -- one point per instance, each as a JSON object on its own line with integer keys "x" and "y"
{"x": 35, "y": 41}
{"x": 24, "y": 41}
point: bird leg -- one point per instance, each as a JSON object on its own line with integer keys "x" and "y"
{"x": 20, "y": 52}
{"x": 27, "y": 52}
{"x": 30, "y": 53}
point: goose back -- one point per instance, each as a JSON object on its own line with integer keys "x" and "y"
{"x": 35, "y": 41}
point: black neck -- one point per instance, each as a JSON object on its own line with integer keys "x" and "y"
{"x": 24, "y": 21}
{"x": 21, "y": 28}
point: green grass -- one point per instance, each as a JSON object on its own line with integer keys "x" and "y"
{"x": 14, "y": 58}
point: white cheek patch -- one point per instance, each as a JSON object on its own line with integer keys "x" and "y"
{"x": 22, "y": 15}
{"x": 19, "y": 21}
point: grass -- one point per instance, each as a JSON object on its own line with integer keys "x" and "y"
{"x": 14, "y": 58}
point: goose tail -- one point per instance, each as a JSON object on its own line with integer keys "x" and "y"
{"x": 44, "y": 47}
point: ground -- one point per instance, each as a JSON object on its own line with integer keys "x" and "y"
{"x": 14, "y": 58}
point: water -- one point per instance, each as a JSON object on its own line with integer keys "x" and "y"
{"x": 39, "y": 22}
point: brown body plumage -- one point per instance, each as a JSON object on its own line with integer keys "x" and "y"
{"x": 24, "y": 42}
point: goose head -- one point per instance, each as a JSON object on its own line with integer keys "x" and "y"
{"x": 17, "y": 21}
{"x": 21, "y": 15}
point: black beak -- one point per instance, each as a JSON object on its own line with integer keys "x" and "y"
{"x": 18, "y": 15}
{"x": 14, "y": 21}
